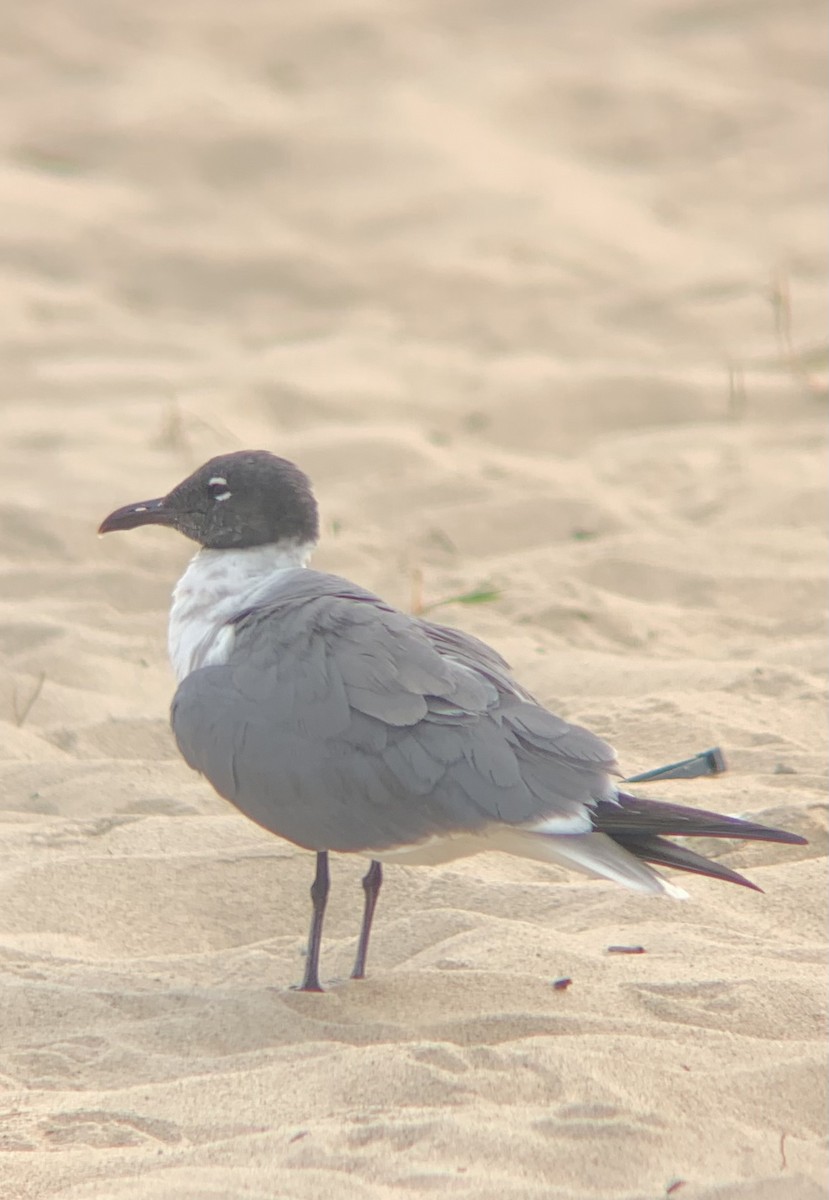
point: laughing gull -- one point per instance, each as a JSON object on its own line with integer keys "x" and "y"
{"x": 342, "y": 724}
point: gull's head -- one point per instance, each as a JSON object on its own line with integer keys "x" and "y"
{"x": 233, "y": 502}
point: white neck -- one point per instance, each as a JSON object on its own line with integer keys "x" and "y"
{"x": 217, "y": 585}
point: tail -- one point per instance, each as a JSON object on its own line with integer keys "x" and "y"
{"x": 641, "y": 826}
{"x": 628, "y": 834}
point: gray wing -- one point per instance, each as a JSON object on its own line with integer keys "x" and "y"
{"x": 340, "y": 723}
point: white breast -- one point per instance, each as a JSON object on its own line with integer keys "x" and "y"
{"x": 215, "y": 588}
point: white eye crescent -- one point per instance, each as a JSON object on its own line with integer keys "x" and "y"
{"x": 217, "y": 486}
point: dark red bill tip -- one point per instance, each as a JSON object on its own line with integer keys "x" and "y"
{"x": 146, "y": 512}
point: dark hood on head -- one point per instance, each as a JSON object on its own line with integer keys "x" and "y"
{"x": 234, "y": 501}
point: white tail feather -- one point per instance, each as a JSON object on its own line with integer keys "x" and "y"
{"x": 594, "y": 853}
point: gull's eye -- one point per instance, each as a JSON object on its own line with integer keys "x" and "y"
{"x": 217, "y": 488}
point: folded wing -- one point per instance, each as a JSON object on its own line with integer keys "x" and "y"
{"x": 342, "y": 724}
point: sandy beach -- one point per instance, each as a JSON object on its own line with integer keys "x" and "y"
{"x": 535, "y": 293}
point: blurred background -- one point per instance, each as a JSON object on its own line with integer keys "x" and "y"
{"x": 536, "y": 294}
{"x": 519, "y": 224}
{"x": 535, "y": 290}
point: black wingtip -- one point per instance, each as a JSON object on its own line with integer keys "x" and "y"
{"x": 663, "y": 853}
{"x": 634, "y": 814}
{"x": 642, "y": 827}
{"x": 735, "y": 877}
{"x": 751, "y": 831}
{"x": 790, "y": 839}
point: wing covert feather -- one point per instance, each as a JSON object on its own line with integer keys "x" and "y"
{"x": 342, "y": 724}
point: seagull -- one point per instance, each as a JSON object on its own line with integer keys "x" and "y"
{"x": 345, "y": 725}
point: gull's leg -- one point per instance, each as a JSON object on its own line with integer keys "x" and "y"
{"x": 372, "y": 881}
{"x": 319, "y": 898}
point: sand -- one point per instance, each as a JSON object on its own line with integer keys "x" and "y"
{"x": 535, "y": 293}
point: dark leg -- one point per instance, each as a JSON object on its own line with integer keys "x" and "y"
{"x": 319, "y": 898}
{"x": 372, "y": 881}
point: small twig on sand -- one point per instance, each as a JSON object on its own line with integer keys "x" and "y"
{"x": 737, "y": 394}
{"x": 482, "y": 594}
{"x": 781, "y": 303}
{"x": 478, "y": 595}
{"x": 783, "y": 1161}
{"x": 416, "y": 603}
{"x": 21, "y": 711}
{"x": 173, "y": 435}
{"x": 176, "y": 425}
